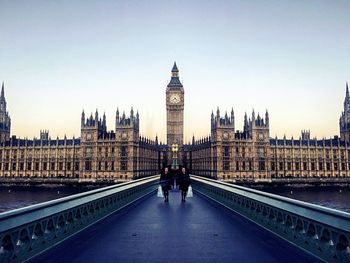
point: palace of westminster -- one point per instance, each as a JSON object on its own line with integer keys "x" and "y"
{"x": 123, "y": 154}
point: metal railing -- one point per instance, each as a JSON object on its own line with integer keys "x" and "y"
{"x": 321, "y": 231}
{"x": 28, "y": 231}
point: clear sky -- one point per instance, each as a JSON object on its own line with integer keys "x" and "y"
{"x": 290, "y": 57}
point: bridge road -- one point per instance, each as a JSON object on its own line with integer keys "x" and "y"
{"x": 196, "y": 231}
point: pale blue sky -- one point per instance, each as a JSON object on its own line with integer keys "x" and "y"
{"x": 291, "y": 57}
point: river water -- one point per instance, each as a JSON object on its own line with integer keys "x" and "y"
{"x": 20, "y": 196}
{"x": 333, "y": 196}
{"x": 17, "y": 197}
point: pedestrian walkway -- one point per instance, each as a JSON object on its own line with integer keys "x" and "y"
{"x": 198, "y": 230}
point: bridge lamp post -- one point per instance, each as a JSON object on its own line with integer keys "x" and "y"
{"x": 174, "y": 149}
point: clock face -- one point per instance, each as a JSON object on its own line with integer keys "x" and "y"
{"x": 175, "y": 98}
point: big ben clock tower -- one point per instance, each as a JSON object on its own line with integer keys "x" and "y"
{"x": 175, "y": 101}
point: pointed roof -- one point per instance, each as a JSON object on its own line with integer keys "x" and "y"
{"x": 347, "y": 89}
{"x": 3, "y": 90}
{"x": 175, "y": 81}
{"x": 175, "y": 69}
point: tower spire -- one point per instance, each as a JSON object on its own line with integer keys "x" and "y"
{"x": 347, "y": 90}
{"x": 175, "y": 69}
{"x": 175, "y": 81}
{"x": 3, "y": 90}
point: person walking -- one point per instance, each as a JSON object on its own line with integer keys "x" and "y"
{"x": 184, "y": 182}
{"x": 165, "y": 182}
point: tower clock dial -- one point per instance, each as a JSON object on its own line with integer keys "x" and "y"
{"x": 175, "y": 98}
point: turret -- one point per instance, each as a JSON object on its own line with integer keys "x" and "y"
{"x": 82, "y": 118}
{"x": 246, "y": 124}
{"x": 344, "y": 120}
{"x": 104, "y": 122}
{"x": 132, "y": 113}
{"x": 96, "y": 117}
{"x": 267, "y": 119}
{"x": 5, "y": 120}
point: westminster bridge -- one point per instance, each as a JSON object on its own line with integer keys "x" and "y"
{"x": 128, "y": 223}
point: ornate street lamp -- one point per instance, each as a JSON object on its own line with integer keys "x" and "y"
{"x": 174, "y": 149}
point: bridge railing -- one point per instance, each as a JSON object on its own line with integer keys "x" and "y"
{"x": 28, "y": 231}
{"x": 321, "y": 231}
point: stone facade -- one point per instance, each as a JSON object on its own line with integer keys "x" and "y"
{"x": 98, "y": 155}
{"x": 123, "y": 154}
{"x": 252, "y": 155}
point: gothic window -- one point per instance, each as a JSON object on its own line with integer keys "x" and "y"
{"x": 273, "y": 167}
{"x": 281, "y": 166}
{"x": 297, "y": 166}
{"x": 29, "y": 166}
{"x": 123, "y": 151}
{"x": 261, "y": 165}
{"x": 289, "y": 166}
{"x": 76, "y": 168}
{"x": 335, "y": 166}
{"x": 305, "y": 166}
{"x": 88, "y": 152}
{"x": 328, "y": 166}
{"x": 123, "y": 165}
{"x": 52, "y": 166}
{"x": 261, "y": 151}
{"x": 60, "y": 166}
{"x": 320, "y": 166}
{"x": 226, "y": 151}
{"x": 313, "y": 166}
{"x": 343, "y": 167}
{"x": 69, "y": 164}
{"x": 36, "y": 166}
{"x": 88, "y": 165}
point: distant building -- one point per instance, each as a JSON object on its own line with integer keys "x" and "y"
{"x": 252, "y": 154}
{"x": 123, "y": 154}
{"x": 117, "y": 155}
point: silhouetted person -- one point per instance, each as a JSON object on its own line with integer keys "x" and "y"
{"x": 165, "y": 182}
{"x": 184, "y": 182}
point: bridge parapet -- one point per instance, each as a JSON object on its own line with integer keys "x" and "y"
{"x": 28, "y": 231}
{"x": 321, "y": 231}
